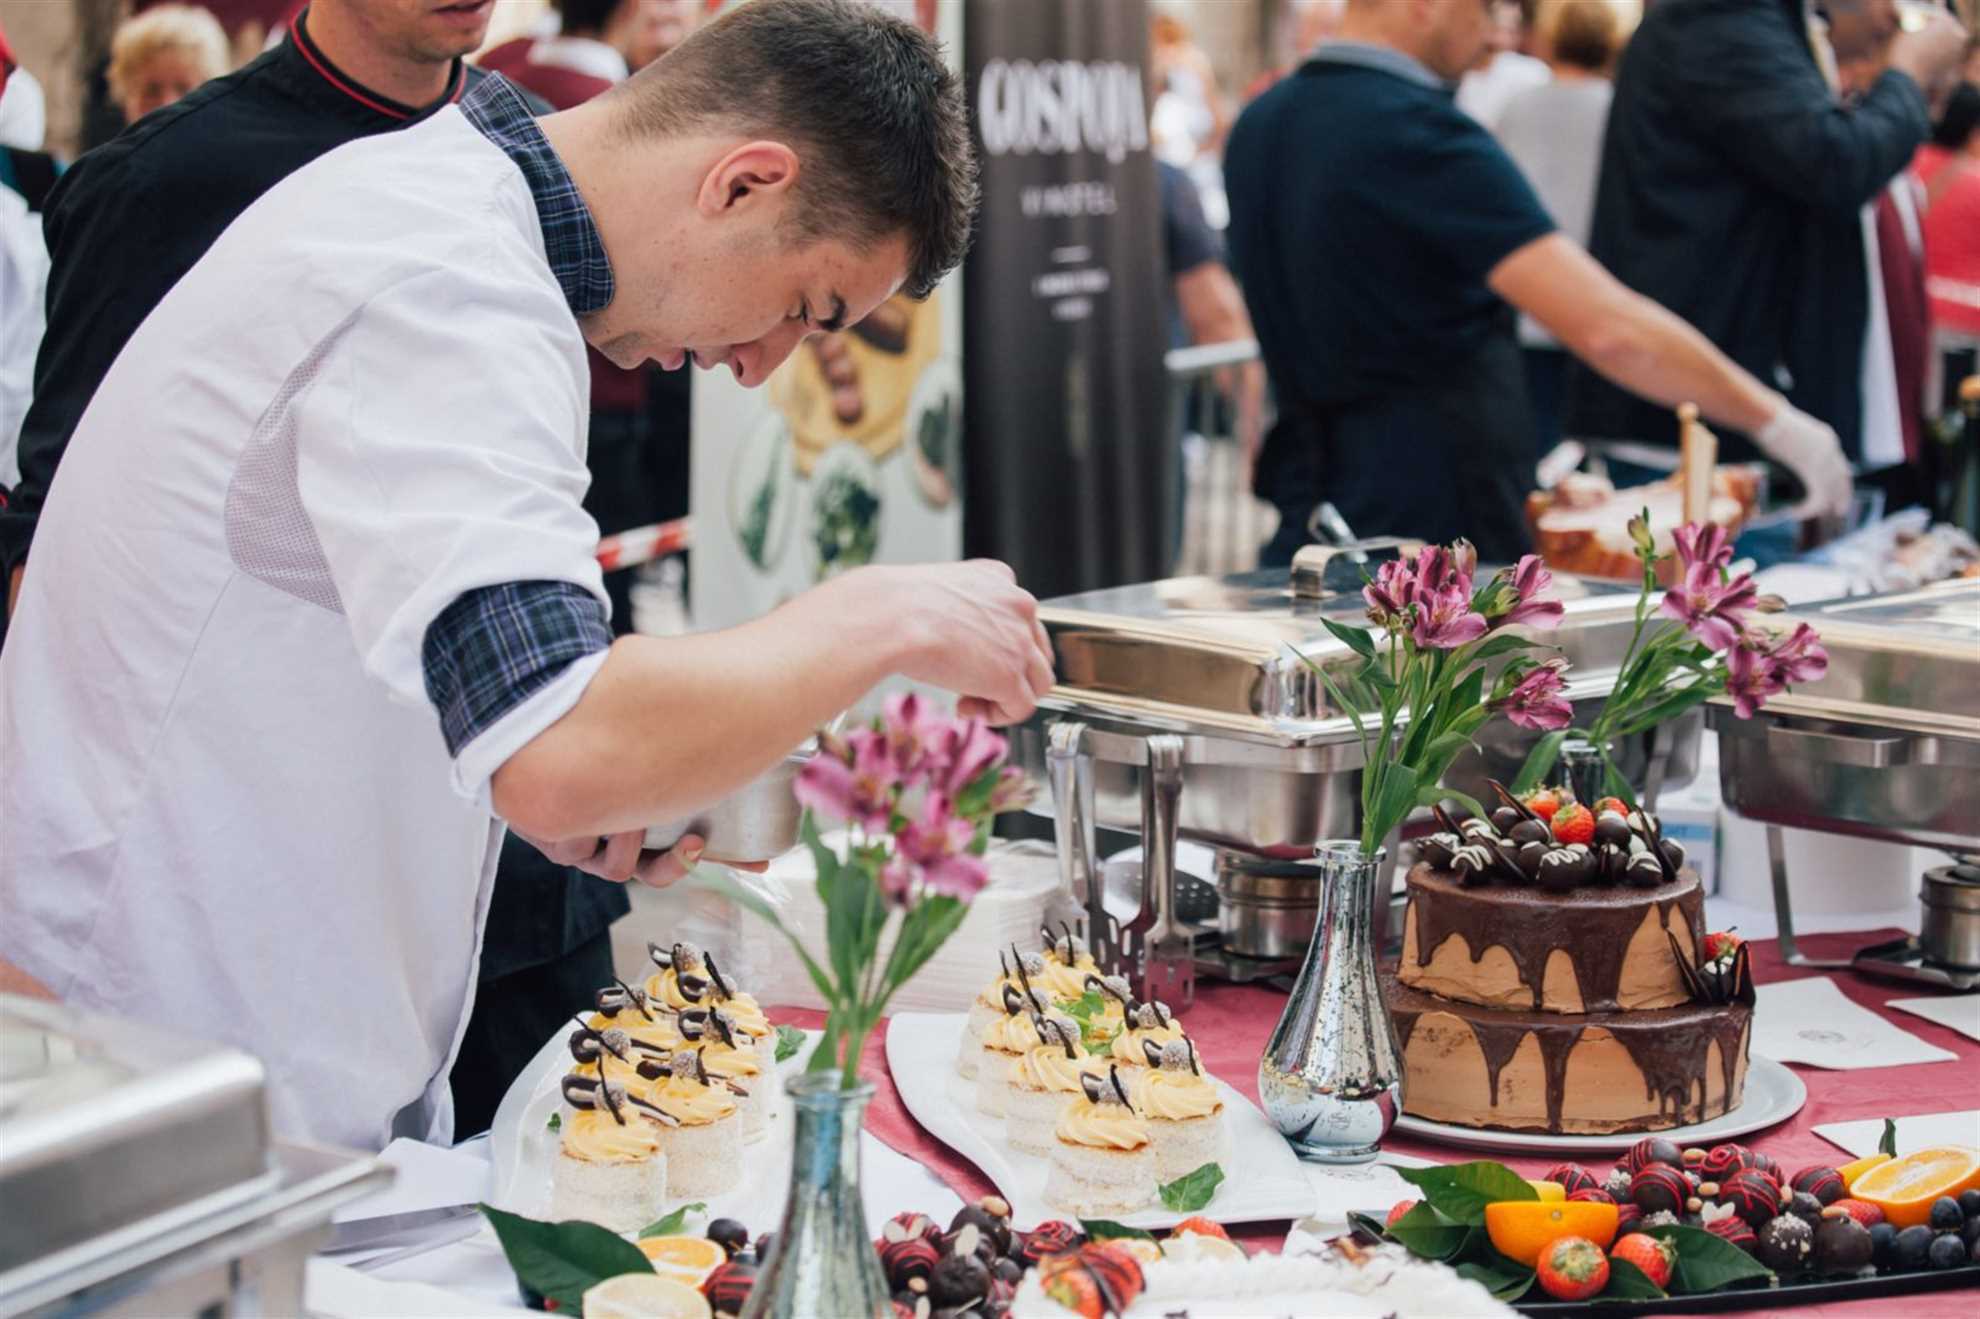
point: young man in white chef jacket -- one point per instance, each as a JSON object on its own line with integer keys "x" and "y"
{"x": 315, "y": 609}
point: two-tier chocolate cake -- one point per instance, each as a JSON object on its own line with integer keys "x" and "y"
{"x": 1556, "y": 976}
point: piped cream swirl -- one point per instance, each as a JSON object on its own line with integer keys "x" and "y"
{"x": 596, "y": 1136}
{"x": 1046, "y": 1067}
{"x": 1103, "y": 1126}
{"x": 1174, "y": 1096}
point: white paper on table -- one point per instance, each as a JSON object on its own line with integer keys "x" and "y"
{"x": 428, "y": 1177}
{"x": 1368, "y": 1188}
{"x": 1959, "y": 1011}
{"x": 1810, "y": 1021}
{"x": 1913, "y": 1133}
{"x": 334, "y": 1291}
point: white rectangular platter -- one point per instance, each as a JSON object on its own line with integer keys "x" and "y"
{"x": 523, "y": 1148}
{"x": 1262, "y": 1177}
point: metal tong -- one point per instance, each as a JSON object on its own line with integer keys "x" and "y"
{"x": 1081, "y": 896}
{"x": 1162, "y": 950}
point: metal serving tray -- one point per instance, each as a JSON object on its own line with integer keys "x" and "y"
{"x": 1269, "y": 761}
{"x": 1887, "y": 743}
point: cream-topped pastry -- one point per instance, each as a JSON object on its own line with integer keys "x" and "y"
{"x": 987, "y": 1007}
{"x": 704, "y": 1146}
{"x": 1004, "y": 1042}
{"x": 1068, "y": 964}
{"x": 610, "y": 1167}
{"x": 1103, "y": 1155}
{"x": 730, "y": 1055}
{"x": 1044, "y": 1082}
{"x": 1143, "y": 1024}
{"x": 689, "y": 978}
{"x": 1182, "y": 1107}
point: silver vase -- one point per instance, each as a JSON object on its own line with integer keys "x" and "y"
{"x": 1332, "y": 1077}
{"x": 823, "y": 1263}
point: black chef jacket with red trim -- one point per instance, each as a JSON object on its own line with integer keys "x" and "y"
{"x": 124, "y": 224}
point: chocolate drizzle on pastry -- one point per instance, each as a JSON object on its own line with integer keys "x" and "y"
{"x": 618, "y": 996}
{"x": 1594, "y": 929}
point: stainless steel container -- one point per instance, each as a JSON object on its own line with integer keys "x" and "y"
{"x": 1949, "y": 932}
{"x": 757, "y": 822}
{"x": 1266, "y": 909}
{"x": 1887, "y": 743}
{"x": 138, "y": 1177}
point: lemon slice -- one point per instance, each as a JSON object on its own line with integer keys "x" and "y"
{"x": 644, "y": 1296}
{"x": 690, "y": 1259}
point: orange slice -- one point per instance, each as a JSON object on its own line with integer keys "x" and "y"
{"x": 1851, "y": 1171}
{"x": 690, "y": 1259}
{"x": 1521, "y": 1229}
{"x": 644, "y": 1296}
{"x": 1905, "y": 1188}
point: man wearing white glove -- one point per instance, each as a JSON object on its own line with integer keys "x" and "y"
{"x": 1809, "y": 448}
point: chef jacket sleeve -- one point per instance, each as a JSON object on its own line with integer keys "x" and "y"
{"x": 439, "y": 445}
{"x": 1760, "y": 97}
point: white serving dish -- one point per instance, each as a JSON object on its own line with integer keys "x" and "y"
{"x": 1262, "y": 1177}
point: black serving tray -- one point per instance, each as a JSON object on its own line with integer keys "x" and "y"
{"x": 1751, "y": 1297}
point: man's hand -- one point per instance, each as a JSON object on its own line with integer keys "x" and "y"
{"x": 14, "y": 588}
{"x": 975, "y": 632}
{"x": 1809, "y": 448}
{"x": 622, "y": 857}
{"x": 1932, "y": 52}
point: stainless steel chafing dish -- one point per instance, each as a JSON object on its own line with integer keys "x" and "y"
{"x": 1265, "y": 765}
{"x": 138, "y": 1176}
{"x": 1885, "y": 745}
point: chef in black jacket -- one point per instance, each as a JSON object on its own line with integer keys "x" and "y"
{"x": 1732, "y": 189}
{"x": 126, "y": 222}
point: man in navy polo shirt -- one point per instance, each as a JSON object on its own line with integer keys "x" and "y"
{"x": 1384, "y": 240}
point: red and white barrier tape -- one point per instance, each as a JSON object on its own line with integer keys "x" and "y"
{"x": 628, "y": 549}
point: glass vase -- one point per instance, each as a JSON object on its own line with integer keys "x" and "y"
{"x": 1585, "y": 769}
{"x": 1332, "y": 1077}
{"x": 823, "y": 1262}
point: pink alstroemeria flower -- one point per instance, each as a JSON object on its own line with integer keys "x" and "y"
{"x": 1703, "y": 542}
{"x": 1389, "y": 594}
{"x": 858, "y": 788}
{"x": 1801, "y": 657}
{"x": 1537, "y": 700}
{"x": 1751, "y": 677}
{"x": 1013, "y": 791}
{"x": 1712, "y": 609}
{"x": 961, "y": 750}
{"x": 911, "y": 724}
{"x": 1447, "y": 621}
{"x": 937, "y": 844}
{"x": 1531, "y": 604}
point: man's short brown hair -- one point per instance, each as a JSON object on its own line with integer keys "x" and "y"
{"x": 878, "y": 120}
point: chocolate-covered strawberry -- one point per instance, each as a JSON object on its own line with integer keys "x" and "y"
{"x": 1049, "y": 1238}
{"x": 1653, "y": 1149}
{"x": 1735, "y": 1231}
{"x": 727, "y": 1288}
{"x": 1572, "y": 1177}
{"x": 903, "y": 1261}
{"x": 1824, "y": 1183}
{"x": 1753, "y": 1195}
{"x": 1658, "y": 1187}
{"x": 1722, "y": 1161}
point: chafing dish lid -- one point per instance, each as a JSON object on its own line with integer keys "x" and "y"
{"x": 1911, "y": 659}
{"x": 1221, "y": 655}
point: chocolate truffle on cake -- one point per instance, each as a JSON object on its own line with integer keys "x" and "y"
{"x": 1753, "y": 1194}
{"x": 1438, "y": 848}
{"x": 1787, "y": 1245}
{"x": 1825, "y": 1184}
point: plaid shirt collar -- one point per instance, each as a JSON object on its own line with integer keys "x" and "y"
{"x": 570, "y": 238}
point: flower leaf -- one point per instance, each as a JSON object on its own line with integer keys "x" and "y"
{"x": 1887, "y": 1143}
{"x": 789, "y": 1040}
{"x": 1505, "y": 1283}
{"x": 1192, "y": 1191}
{"x": 1356, "y": 639}
{"x": 670, "y": 1226}
{"x": 1705, "y": 1263}
{"x": 563, "y": 1260}
{"x": 1539, "y": 762}
{"x": 1460, "y": 1191}
{"x": 1105, "y": 1229}
{"x": 1628, "y": 1283}
{"x": 556, "y": 1121}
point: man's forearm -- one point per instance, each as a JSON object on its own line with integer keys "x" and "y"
{"x": 660, "y": 730}
{"x": 1654, "y": 353}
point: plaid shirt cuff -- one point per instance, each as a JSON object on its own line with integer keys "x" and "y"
{"x": 495, "y": 647}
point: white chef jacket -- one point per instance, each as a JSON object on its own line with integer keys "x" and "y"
{"x": 227, "y": 805}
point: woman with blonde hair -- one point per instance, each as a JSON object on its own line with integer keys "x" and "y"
{"x": 163, "y": 53}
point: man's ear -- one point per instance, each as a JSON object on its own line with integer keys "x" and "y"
{"x": 751, "y": 173}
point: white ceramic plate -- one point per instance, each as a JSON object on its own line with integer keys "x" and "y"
{"x": 523, "y": 1149}
{"x": 1262, "y": 1181}
{"x": 1773, "y": 1094}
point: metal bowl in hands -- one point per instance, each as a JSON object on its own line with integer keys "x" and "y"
{"x": 758, "y": 822}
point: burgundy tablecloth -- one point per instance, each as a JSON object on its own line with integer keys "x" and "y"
{"x": 1230, "y": 1024}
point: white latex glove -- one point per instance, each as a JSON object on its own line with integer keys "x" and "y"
{"x": 1809, "y": 449}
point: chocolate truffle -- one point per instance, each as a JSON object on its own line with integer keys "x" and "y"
{"x": 1753, "y": 1195}
{"x": 730, "y": 1235}
{"x": 1611, "y": 830}
{"x": 903, "y": 1261}
{"x": 1787, "y": 1245}
{"x": 1530, "y": 831}
{"x": 1722, "y": 1161}
{"x": 1052, "y": 1237}
{"x": 1572, "y": 1177}
{"x": 727, "y": 1288}
{"x": 1842, "y": 1245}
{"x": 1805, "y": 1207}
{"x": 1653, "y": 1149}
{"x": 1504, "y": 818}
{"x": 1659, "y": 1187}
{"x": 1825, "y": 1184}
{"x": 958, "y": 1280}
{"x": 1530, "y": 856}
{"x": 1734, "y": 1230}
{"x": 1437, "y": 849}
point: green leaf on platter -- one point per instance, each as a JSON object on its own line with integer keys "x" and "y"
{"x": 1357, "y": 639}
{"x": 1887, "y": 1143}
{"x": 1705, "y": 1263}
{"x": 1629, "y": 1283}
{"x": 789, "y": 1040}
{"x": 670, "y": 1226}
{"x": 1460, "y": 1191}
{"x": 563, "y": 1260}
{"x": 1192, "y": 1191}
{"x": 556, "y": 1121}
{"x": 1506, "y": 1282}
{"x": 1103, "y": 1229}
{"x": 1539, "y": 762}
{"x": 1425, "y": 1232}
